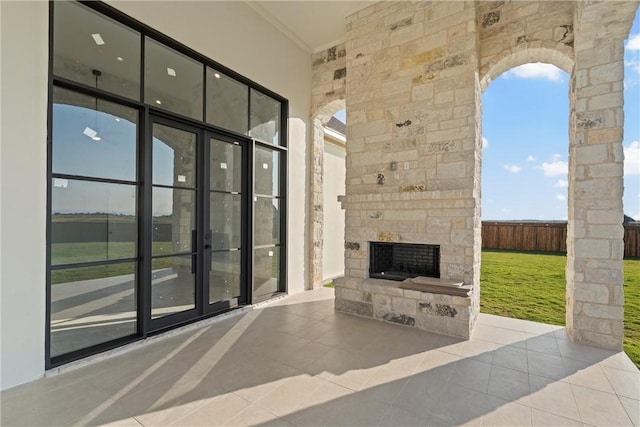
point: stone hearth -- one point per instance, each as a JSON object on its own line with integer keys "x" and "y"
{"x": 406, "y": 304}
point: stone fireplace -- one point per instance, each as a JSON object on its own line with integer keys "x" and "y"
{"x": 412, "y": 76}
{"x": 413, "y": 165}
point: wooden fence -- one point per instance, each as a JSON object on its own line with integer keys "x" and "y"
{"x": 544, "y": 236}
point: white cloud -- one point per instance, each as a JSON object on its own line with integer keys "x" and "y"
{"x": 513, "y": 168}
{"x": 536, "y": 70}
{"x": 562, "y": 183}
{"x": 555, "y": 167}
{"x": 485, "y": 142}
{"x": 561, "y": 197}
{"x": 505, "y": 210}
{"x": 530, "y": 158}
{"x": 633, "y": 43}
{"x": 632, "y": 159}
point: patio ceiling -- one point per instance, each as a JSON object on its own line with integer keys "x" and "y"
{"x": 314, "y": 25}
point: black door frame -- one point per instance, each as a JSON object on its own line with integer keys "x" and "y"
{"x": 201, "y": 247}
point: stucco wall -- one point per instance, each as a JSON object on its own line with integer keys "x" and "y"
{"x": 228, "y": 32}
{"x": 23, "y": 155}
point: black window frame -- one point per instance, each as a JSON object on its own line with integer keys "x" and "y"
{"x": 143, "y": 180}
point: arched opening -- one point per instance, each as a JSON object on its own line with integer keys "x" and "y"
{"x": 524, "y": 193}
{"x": 333, "y": 187}
{"x": 631, "y": 195}
{"x": 320, "y": 119}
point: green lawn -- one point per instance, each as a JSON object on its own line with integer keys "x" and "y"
{"x": 68, "y": 253}
{"x": 531, "y": 286}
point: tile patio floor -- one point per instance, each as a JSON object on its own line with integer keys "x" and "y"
{"x": 297, "y": 362}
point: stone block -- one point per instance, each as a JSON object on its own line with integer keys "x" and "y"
{"x": 403, "y": 306}
{"x": 608, "y": 170}
{"x": 591, "y": 293}
{"x": 605, "y": 276}
{"x": 411, "y": 294}
{"x": 401, "y": 319}
{"x": 601, "y": 326}
{"x": 452, "y": 170}
{"x": 602, "y": 311}
{"x": 609, "y": 216}
{"x": 381, "y": 303}
{"x": 445, "y": 326}
{"x": 607, "y": 73}
{"x": 592, "y": 248}
{"x": 354, "y": 307}
{"x": 598, "y": 340}
{"x": 601, "y": 136}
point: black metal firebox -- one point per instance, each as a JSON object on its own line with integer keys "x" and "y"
{"x": 399, "y": 261}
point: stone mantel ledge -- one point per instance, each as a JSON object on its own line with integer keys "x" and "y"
{"x": 409, "y": 195}
{"x": 386, "y": 300}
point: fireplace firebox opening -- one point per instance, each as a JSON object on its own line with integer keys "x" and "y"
{"x": 400, "y": 261}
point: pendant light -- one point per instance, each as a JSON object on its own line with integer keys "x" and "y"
{"x": 91, "y": 133}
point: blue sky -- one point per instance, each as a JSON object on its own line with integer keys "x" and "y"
{"x": 525, "y": 126}
{"x": 525, "y": 130}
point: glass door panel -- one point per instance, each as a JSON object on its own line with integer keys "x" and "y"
{"x": 225, "y": 221}
{"x": 174, "y": 222}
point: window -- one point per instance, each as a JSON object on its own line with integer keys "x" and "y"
{"x": 227, "y": 102}
{"x": 265, "y": 118}
{"x": 173, "y": 81}
{"x": 85, "y": 40}
{"x": 166, "y": 184}
{"x": 93, "y": 227}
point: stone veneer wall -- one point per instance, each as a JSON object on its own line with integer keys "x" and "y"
{"x": 329, "y": 71}
{"x": 415, "y": 75}
{"x": 413, "y": 136}
{"x": 595, "y": 247}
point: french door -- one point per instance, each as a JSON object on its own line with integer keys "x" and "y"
{"x": 198, "y": 252}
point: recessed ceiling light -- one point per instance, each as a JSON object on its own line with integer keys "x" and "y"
{"x": 97, "y": 38}
{"x": 158, "y": 102}
{"x": 216, "y": 75}
{"x": 120, "y": 58}
{"x": 171, "y": 72}
{"x": 91, "y": 134}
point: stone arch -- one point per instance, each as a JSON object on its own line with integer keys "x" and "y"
{"x": 559, "y": 55}
{"x": 320, "y": 118}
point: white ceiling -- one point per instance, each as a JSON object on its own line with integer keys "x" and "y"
{"x": 314, "y": 25}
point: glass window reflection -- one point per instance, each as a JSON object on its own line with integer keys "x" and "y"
{"x": 224, "y": 276}
{"x": 266, "y": 271}
{"x": 174, "y": 157}
{"x": 227, "y": 102}
{"x": 85, "y": 40}
{"x": 172, "y": 286}
{"x": 267, "y": 223}
{"x": 93, "y": 137}
{"x": 267, "y": 170}
{"x": 92, "y": 305}
{"x": 92, "y": 221}
{"x": 174, "y": 218}
{"x": 225, "y": 220}
{"x": 226, "y": 166}
{"x": 265, "y": 118}
{"x": 173, "y": 81}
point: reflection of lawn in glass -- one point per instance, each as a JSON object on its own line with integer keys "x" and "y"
{"x": 91, "y": 251}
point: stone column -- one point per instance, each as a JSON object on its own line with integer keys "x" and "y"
{"x": 327, "y": 98}
{"x": 595, "y": 233}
